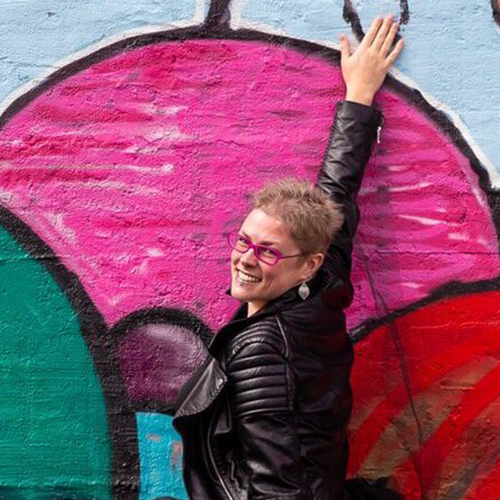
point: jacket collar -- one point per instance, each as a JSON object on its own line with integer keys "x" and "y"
{"x": 240, "y": 320}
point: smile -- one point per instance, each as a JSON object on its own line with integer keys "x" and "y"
{"x": 246, "y": 278}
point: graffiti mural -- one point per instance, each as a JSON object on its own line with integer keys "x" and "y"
{"x": 121, "y": 171}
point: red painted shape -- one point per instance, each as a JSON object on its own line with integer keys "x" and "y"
{"x": 457, "y": 335}
{"x": 487, "y": 485}
{"x": 452, "y": 430}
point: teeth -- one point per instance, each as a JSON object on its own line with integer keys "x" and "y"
{"x": 246, "y": 277}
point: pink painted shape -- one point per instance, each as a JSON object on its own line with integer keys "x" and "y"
{"x": 132, "y": 169}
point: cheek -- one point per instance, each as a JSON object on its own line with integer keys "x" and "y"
{"x": 233, "y": 258}
{"x": 278, "y": 278}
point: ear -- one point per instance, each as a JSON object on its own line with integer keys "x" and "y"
{"x": 312, "y": 264}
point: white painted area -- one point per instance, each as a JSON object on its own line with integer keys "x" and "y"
{"x": 155, "y": 252}
{"x": 57, "y": 220}
{"x": 395, "y": 189}
{"x": 235, "y": 9}
{"x": 458, "y": 237}
{"x": 426, "y": 221}
{"x": 411, "y": 187}
{"x": 167, "y": 168}
{"x": 112, "y": 185}
{"x": 163, "y": 111}
{"x": 413, "y": 285}
{"x": 200, "y": 12}
{"x": 397, "y": 168}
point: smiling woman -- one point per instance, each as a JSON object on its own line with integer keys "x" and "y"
{"x": 282, "y": 242}
{"x": 266, "y": 416}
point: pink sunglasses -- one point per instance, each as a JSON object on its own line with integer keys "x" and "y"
{"x": 267, "y": 255}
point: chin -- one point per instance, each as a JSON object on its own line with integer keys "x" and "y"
{"x": 239, "y": 294}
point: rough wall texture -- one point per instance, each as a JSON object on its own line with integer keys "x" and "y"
{"x": 122, "y": 166}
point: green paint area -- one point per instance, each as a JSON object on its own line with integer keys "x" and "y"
{"x": 54, "y": 440}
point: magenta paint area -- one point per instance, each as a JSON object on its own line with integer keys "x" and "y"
{"x": 134, "y": 168}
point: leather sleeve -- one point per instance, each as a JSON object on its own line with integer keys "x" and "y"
{"x": 262, "y": 394}
{"x": 348, "y": 151}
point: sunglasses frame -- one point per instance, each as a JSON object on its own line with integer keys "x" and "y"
{"x": 258, "y": 248}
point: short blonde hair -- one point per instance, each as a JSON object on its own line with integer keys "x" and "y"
{"x": 310, "y": 216}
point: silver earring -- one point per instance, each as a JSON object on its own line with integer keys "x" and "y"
{"x": 304, "y": 291}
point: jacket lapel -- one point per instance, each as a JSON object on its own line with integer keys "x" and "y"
{"x": 202, "y": 390}
{"x": 207, "y": 383}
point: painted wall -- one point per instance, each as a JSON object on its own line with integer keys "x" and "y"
{"x": 131, "y": 134}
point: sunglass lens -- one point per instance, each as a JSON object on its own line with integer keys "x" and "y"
{"x": 238, "y": 242}
{"x": 267, "y": 255}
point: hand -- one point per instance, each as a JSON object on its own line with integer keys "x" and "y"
{"x": 366, "y": 69}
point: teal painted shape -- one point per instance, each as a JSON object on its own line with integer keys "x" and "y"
{"x": 55, "y": 441}
{"x": 160, "y": 452}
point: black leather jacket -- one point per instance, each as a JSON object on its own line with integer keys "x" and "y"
{"x": 265, "y": 417}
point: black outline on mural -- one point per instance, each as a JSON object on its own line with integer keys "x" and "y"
{"x": 165, "y": 316}
{"x": 103, "y": 345}
{"x": 219, "y": 15}
{"x": 121, "y": 419}
{"x": 448, "y": 290}
{"x": 351, "y": 16}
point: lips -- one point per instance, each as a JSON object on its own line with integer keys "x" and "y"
{"x": 244, "y": 277}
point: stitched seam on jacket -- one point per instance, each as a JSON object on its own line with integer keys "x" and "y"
{"x": 288, "y": 371}
{"x": 282, "y": 332}
{"x": 269, "y": 327}
{"x": 241, "y": 343}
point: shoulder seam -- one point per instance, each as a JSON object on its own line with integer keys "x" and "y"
{"x": 282, "y": 332}
{"x": 258, "y": 336}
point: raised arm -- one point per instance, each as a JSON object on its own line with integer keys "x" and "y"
{"x": 357, "y": 125}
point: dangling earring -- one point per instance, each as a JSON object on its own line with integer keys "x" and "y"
{"x": 304, "y": 291}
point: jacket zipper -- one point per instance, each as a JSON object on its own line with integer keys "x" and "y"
{"x": 379, "y": 129}
{"x": 212, "y": 460}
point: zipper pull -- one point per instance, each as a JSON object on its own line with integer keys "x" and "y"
{"x": 379, "y": 130}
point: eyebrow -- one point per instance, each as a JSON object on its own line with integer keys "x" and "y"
{"x": 264, "y": 243}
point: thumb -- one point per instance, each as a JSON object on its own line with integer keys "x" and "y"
{"x": 345, "y": 49}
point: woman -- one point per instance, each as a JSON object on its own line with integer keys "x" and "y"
{"x": 265, "y": 417}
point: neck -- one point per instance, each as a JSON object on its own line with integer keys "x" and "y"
{"x": 253, "y": 307}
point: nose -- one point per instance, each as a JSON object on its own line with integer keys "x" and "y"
{"x": 248, "y": 258}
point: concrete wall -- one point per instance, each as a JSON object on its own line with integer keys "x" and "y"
{"x": 132, "y": 132}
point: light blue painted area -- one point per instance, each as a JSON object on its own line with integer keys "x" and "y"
{"x": 314, "y": 20}
{"x": 452, "y": 50}
{"x": 36, "y": 34}
{"x": 160, "y": 457}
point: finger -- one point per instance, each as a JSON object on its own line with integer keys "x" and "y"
{"x": 371, "y": 33}
{"x": 382, "y": 33}
{"x": 395, "y": 53}
{"x": 386, "y": 47}
{"x": 345, "y": 49}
